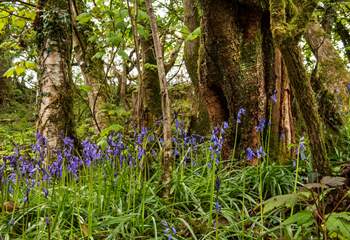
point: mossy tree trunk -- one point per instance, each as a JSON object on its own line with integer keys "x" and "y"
{"x": 92, "y": 68}
{"x": 152, "y": 100}
{"x": 331, "y": 77}
{"x": 55, "y": 80}
{"x": 4, "y": 65}
{"x": 199, "y": 119}
{"x": 286, "y": 35}
{"x": 238, "y": 69}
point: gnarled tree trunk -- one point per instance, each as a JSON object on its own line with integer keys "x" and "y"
{"x": 239, "y": 69}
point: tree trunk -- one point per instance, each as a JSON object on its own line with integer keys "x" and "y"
{"x": 199, "y": 119}
{"x": 92, "y": 68}
{"x": 55, "y": 81}
{"x": 282, "y": 124}
{"x": 238, "y": 70}
{"x": 287, "y": 35}
{"x": 167, "y": 150}
{"x": 307, "y": 103}
{"x": 344, "y": 34}
{"x": 4, "y": 65}
{"x": 152, "y": 98}
{"x": 332, "y": 77}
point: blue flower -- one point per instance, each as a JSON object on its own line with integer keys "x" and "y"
{"x": 261, "y": 125}
{"x": 217, "y": 206}
{"x": 260, "y": 153}
{"x": 240, "y": 113}
{"x": 45, "y": 192}
{"x": 217, "y": 184}
{"x": 250, "y": 154}
{"x": 274, "y": 96}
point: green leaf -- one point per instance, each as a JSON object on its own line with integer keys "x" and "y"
{"x": 142, "y": 31}
{"x": 19, "y": 70}
{"x": 338, "y": 225}
{"x": 114, "y": 38}
{"x": 18, "y": 22}
{"x": 142, "y": 15}
{"x": 301, "y": 218}
{"x": 84, "y": 18}
{"x": 123, "y": 54}
{"x": 98, "y": 55}
{"x": 85, "y": 88}
{"x": 10, "y": 72}
{"x": 287, "y": 200}
{"x": 193, "y": 35}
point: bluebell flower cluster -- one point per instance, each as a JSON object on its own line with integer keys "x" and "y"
{"x": 168, "y": 231}
{"x": 30, "y": 166}
{"x": 251, "y": 154}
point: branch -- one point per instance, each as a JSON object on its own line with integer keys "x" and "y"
{"x": 21, "y": 2}
{"x": 173, "y": 57}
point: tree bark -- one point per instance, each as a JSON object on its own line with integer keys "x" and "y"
{"x": 167, "y": 150}
{"x": 236, "y": 68}
{"x": 332, "y": 77}
{"x": 92, "y": 68}
{"x": 307, "y": 103}
{"x": 282, "y": 122}
{"x": 200, "y": 119}
{"x": 4, "y": 65}
{"x": 55, "y": 81}
{"x": 287, "y": 35}
{"x": 152, "y": 97}
{"x": 344, "y": 34}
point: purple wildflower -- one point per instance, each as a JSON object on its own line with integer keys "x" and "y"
{"x": 217, "y": 184}
{"x": 274, "y": 96}
{"x": 261, "y": 125}
{"x": 217, "y": 206}
{"x": 45, "y": 192}
{"x": 250, "y": 154}
{"x": 260, "y": 153}
{"x": 240, "y": 113}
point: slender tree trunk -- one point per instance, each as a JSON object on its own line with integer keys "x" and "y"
{"x": 152, "y": 97}
{"x": 200, "y": 118}
{"x": 55, "y": 80}
{"x": 123, "y": 85}
{"x": 167, "y": 152}
{"x": 4, "y": 65}
{"x": 139, "y": 101}
{"x": 92, "y": 68}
